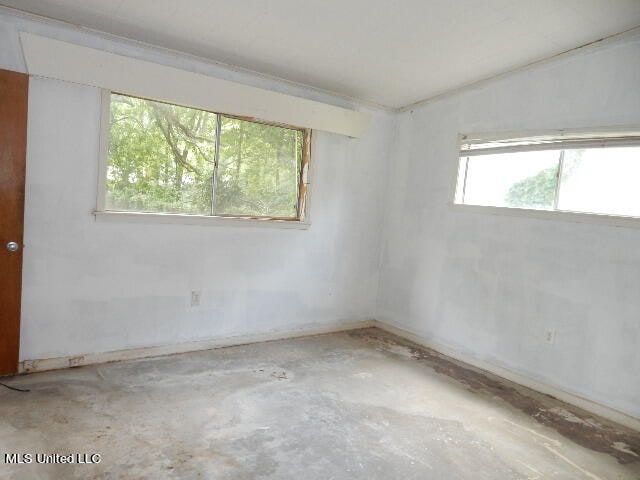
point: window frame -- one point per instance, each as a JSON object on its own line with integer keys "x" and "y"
{"x": 300, "y": 221}
{"x": 455, "y": 198}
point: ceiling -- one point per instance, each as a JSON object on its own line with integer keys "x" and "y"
{"x": 390, "y": 52}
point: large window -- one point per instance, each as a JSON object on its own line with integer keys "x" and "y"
{"x": 586, "y": 173}
{"x": 165, "y": 158}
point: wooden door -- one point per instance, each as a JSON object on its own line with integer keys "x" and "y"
{"x": 13, "y": 146}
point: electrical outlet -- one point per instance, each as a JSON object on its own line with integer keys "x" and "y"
{"x": 195, "y": 298}
{"x": 550, "y": 336}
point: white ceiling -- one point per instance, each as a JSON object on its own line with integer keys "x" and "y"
{"x": 390, "y": 52}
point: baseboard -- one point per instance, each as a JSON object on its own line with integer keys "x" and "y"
{"x": 56, "y": 363}
{"x": 515, "y": 377}
{"x": 41, "y": 365}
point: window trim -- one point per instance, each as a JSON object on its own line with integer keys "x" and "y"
{"x": 300, "y": 221}
{"x": 604, "y": 219}
{"x": 112, "y": 216}
{"x": 557, "y": 215}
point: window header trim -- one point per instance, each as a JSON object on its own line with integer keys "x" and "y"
{"x": 51, "y": 58}
{"x": 472, "y": 145}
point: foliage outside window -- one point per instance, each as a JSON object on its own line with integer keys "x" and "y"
{"x": 165, "y": 158}
{"x": 587, "y": 173}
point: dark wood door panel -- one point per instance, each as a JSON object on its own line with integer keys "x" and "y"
{"x": 13, "y": 144}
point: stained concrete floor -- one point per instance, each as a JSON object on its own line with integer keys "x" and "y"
{"x": 354, "y": 405}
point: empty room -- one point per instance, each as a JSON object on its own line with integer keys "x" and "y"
{"x": 278, "y": 239}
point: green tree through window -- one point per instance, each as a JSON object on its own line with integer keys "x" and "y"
{"x": 162, "y": 158}
{"x": 537, "y": 191}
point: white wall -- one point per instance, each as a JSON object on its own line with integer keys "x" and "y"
{"x": 95, "y": 287}
{"x": 486, "y": 285}
{"x": 490, "y": 286}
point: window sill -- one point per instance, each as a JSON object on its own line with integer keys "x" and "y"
{"x": 172, "y": 218}
{"x": 561, "y": 215}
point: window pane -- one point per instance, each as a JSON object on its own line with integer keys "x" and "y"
{"x": 258, "y": 169}
{"x": 601, "y": 180}
{"x": 161, "y": 157}
{"x": 523, "y": 179}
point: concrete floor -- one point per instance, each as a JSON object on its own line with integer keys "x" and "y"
{"x": 353, "y": 405}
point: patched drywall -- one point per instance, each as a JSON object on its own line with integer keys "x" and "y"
{"x": 493, "y": 286}
{"x": 96, "y": 287}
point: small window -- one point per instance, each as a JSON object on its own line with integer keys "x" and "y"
{"x": 165, "y": 158}
{"x": 585, "y": 173}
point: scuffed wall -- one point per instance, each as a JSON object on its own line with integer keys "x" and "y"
{"x": 493, "y": 286}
